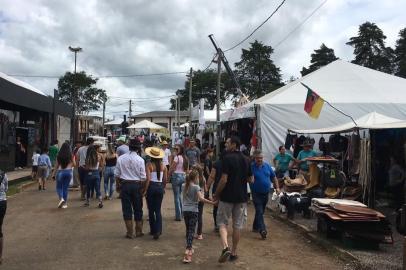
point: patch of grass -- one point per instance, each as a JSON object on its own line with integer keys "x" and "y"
{"x": 14, "y": 186}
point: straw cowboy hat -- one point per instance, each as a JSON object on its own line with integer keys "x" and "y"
{"x": 164, "y": 143}
{"x": 155, "y": 152}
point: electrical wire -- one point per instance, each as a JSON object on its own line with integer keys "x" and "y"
{"x": 270, "y": 16}
{"x": 142, "y": 75}
{"x": 300, "y": 24}
{"x": 140, "y": 99}
{"x": 211, "y": 62}
{"x": 101, "y": 77}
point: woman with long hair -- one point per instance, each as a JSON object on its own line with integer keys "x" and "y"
{"x": 63, "y": 171}
{"x": 92, "y": 175}
{"x": 157, "y": 175}
{"x": 110, "y": 165}
{"x": 178, "y": 170}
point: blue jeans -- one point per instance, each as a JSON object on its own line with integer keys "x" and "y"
{"x": 109, "y": 181}
{"x": 260, "y": 201}
{"x": 177, "y": 180}
{"x": 155, "y": 194}
{"x": 93, "y": 183}
{"x": 131, "y": 200}
{"x": 63, "y": 178}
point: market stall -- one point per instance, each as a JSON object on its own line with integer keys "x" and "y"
{"x": 351, "y": 88}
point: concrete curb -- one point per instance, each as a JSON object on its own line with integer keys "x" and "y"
{"x": 26, "y": 186}
{"x": 341, "y": 254}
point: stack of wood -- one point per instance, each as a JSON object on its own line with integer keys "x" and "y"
{"x": 351, "y": 219}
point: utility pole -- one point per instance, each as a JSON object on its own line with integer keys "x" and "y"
{"x": 176, "y": 117}
{"x": 178, "y": 97}
{"x": 190, "y": 101}
{"x": 104, "y": 115}
{"x": 74, "y": 96}
{"x": 130, "y": 110}
{"x": 219, "y": 56}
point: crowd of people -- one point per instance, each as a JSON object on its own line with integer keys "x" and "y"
{"x": 138, "y": 170}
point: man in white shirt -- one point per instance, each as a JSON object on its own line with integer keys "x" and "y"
{"x": 131, "y": 182}
{"x": 167, "y": 152}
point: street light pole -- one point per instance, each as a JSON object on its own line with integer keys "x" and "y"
{"x": 73, "y": 122}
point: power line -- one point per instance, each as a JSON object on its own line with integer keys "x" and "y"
{"x": 101, "y": 77}
{"x": 211, "y": 62}
{"x": 300, "y": 24}
{"x": 270, "y": 16}
{"x": 140, "y": 99}
{"x": 142, "y": 75}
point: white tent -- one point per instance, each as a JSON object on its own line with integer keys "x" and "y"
{"x": 145, "y": 124}
{"x": 354, "y": 89}
{"x": 371, "y": 120}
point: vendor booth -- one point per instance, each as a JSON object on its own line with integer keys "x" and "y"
{"x": 354, "y": 89}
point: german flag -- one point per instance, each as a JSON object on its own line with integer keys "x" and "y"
{"x": 314, "y": 103}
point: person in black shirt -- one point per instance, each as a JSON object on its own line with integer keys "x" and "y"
{"x": 232, "y": 195}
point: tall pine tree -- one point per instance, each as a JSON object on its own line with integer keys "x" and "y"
{"x": 256, "y": 72}
{"x": 370, "y": 50}
{"x": 320, "y": 58}
{"x": 400, "y": 54}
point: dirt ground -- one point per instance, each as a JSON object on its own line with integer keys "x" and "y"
{"x": 40, "y": 236}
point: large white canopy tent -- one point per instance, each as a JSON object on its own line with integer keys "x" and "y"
{"x": 145, "y": 124}
{"x": 354, "y": 89}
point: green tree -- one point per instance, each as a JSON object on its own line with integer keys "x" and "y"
{"x": 88, "y": 97}
{"x": 204, "y": 86}
{"x": 370, "y": 50}
{"x": 400, "y": 54}
{"x": 257, "y": 72}
{"x": 319, "y": 58}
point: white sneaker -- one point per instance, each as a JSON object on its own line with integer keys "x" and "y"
{"x": 60, "y": 204}
{"x": 65, "y": 206}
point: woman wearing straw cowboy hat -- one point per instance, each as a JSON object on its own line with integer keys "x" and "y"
{"x": 157, "y": 176}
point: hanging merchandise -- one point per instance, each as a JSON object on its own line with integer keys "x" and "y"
{"x": 365, "y": 178}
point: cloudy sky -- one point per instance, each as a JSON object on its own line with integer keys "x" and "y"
{"x": 158, "y": 36}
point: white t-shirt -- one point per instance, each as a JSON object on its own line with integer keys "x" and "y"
{"x": 35, "y": 159}
{"x": 165, "y": 159}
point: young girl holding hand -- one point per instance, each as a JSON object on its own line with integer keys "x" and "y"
{"x": 191, "y": 196}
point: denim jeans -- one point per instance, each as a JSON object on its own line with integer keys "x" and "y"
{"x": 63, "y": 178}
{"x": 260, "y": 201}
{"x": 82, "y": 175}
{"x": 109, "y": 181}
{"x": 93, "y": 183}
{"x": 155, "y": 194}
{"x": 131, "y": 200}
{"x": 177, "y": 180}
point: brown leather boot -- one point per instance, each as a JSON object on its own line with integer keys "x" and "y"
{"x": 138, "y": 228}
{"x": 130, "y": 231}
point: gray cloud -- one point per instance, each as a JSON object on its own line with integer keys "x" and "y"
{"x": 138, "y": 37}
